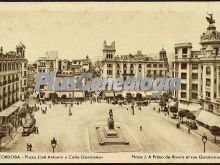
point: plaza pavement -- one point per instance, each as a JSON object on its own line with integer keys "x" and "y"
{"x": 71, "y": 132}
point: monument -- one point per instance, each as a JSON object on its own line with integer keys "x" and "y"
{"x": 111, "y": 137}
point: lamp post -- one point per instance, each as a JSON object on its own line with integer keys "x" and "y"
{"x": 204, "y": 140}
{"x": 133, "y": 105}
{"x": 53, "y": 143}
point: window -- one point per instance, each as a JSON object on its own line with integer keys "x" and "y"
{"x": 149, "y": 65}
{"x": 194, "y": 95}
{"x": 183, "y": 86}
{"x": 139, "y": 66}
{"x": 109, "y": 65}
{"x": 25, "y": 73}
{"x": 195, "y": 87}
{"x": 207, "y": 94}
{"x": 194, "y": 66}
{"x": 184, "y": 51}
{"x": 124, "y": 65}
{"x": 118, "y": 65}
{"x": 132, "y": 65}
{"x": 183, "y": 94}
{"x": 208, "y": 82}
{"x": 161, "y": 65}
{"x": 208, "y": 70}
{"x": 183, "y": 66}
{"x": 183, "y": 75}
{"x": 176, "y": 52}
{"x": 109, "y": 72}
{"x": 194, "y": 76}
{"x": 155, "y": 65}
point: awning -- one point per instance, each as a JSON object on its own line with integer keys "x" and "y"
{"x": 78, "y": 95}
{"x": 8, "y": 111}
{"x": 182, "y": 106}
{"x": 18, "y": 104}
{"x": 109, "y": 94}
{"x": 192, "y": 107}
{"x": 148, "y": 93}
{"x": 208, "y": 118}
{"x": 124, "y": 94}
{"x": 172, "y": 103}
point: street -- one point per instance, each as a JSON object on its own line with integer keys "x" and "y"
{"x": 71, "y": 132}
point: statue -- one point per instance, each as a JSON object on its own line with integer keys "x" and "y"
{"x": 110, "y": 120}
{"x": 210, "y": 19}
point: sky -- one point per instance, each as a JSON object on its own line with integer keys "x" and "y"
{"x": 79, "y": 29}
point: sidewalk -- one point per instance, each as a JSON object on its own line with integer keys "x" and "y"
{"x": 200, "y": 131}
{"x": 6, "y": 140}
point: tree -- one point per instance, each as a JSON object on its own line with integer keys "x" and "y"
{"x": 190, "y": 116}
{"x": 2, "y": 134}
{"x": 215, "y": 130}
{"x": 119, "y": 97}
{"x": 173, "y": 110}
{"x": 182, "y": 114}
{"x": 53, "y": 96}
{"x": 129, "y": 97}
{"x": 139, "y": 96}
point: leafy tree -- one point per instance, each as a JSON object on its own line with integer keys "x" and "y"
{"x": 119, "y": 97}
{"x": 173, "y": 110}
{"x": 190, "y": 116}
{"x": 2, "y": 134}
{"x": 182, "y": 114}
{"x": 53, "y": 96}
{"x": 139, "y": 96}
{"x": 215, "y": 130}
{"x": 129, "y": 97}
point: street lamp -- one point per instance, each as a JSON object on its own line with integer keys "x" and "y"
{"x": 204, "y": 140}
{"x": 133, "y": 105}
{"x": 53, "y": 143}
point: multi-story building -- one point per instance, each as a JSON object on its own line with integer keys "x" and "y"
{"x": 48, "y": 63}
{"x": 115, "y": 66}
{"x": 199, "y": 71}
{"x": 65, "y": 68}
{"x": 129, "y": 65}
{"x": 13, "y": 81}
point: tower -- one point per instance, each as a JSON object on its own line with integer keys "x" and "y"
{"x": 163, "y": 54}
{"x": 109, "y": 50}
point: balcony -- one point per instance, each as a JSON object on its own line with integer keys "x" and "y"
{"x": 4, "y": 82}
{"x": 207, "y": 98}
{"x": 4, "y": 95}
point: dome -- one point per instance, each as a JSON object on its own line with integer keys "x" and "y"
{"x": 162, "y": 51}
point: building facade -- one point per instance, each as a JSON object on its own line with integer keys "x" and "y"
{"x": 129, "y": 65}
{"x": 199, "y": 71}
{"x": 13, "y": 80}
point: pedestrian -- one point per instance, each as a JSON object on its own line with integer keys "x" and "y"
{"x": 140, "y": 127}
{"x": 28, "y": 147}
{"x": 159, "y": 110}
{"x": 189, "y": 130}
{"x": 127, "y": 109}
{"x": 37, "y": 130}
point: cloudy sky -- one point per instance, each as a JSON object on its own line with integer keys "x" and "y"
{"x": 78, "y": 29}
